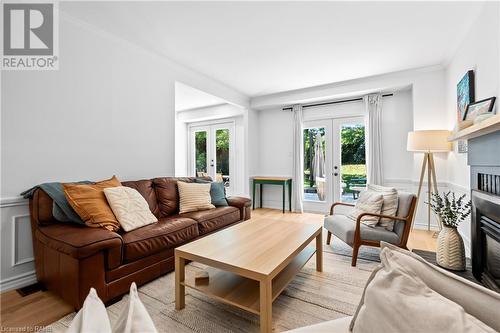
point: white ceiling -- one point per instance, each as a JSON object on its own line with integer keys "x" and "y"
{"x": 187, "y": 98}
{"x": 265, "y": 47}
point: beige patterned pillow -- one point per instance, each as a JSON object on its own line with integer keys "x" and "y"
{"x": 130, "y": 207}
{"x": 389, "y": 206}
{"x": 368, "y": 202}
{"x": 194, "y": 197}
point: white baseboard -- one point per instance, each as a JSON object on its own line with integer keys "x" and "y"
{"x": 19, "y": 281}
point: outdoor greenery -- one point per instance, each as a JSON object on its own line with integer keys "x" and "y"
{"x": 353, "y": 168}
{"x": 452, "y": 211}
{"x": 353, "y": 144}
{"x": 201, "y": 151}
{"x": 222, "y": 151}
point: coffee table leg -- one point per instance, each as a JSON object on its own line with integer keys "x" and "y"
{"x": 319, "y": 251}
{"x": 180, "y": 289}
{"x": 266, "y": 306}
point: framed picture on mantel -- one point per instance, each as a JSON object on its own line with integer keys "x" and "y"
{"x": 465, "y": 94}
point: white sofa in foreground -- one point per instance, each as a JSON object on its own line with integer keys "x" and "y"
{"x": 408, "y": 294}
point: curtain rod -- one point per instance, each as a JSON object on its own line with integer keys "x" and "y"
{"x": 289, "y": 108}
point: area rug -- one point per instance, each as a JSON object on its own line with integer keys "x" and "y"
{"x": 310, "y": 298}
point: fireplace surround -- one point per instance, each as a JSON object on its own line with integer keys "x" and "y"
{"x": 484, "y": 160}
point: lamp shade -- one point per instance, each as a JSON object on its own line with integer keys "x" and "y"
{"x": 429, "y": 141}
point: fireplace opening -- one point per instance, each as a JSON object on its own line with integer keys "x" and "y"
{"x": 486, "y": 239}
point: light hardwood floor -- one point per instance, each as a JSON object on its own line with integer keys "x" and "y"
{"x": 43, "y": 308}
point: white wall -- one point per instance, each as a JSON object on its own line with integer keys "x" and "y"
{"x": 478, "y": 51}
{"x": 109, "y": 109}
{"x": 276, "y": 137}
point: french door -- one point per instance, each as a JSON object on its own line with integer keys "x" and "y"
{"x": 212, "y": 152}
{"x": 334, "y": 162}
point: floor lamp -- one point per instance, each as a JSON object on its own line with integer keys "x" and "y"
{"x": 428, "y": 142}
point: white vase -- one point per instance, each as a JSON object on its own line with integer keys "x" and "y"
{"x": 450, "y": 249}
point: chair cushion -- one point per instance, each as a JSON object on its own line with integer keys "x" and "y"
{"x": 166, "y": 233}
{"x": 389, "y": 206}
{"x": 404, "y": 204}
{"x": 213, "y": 219}
{"x": 343, "y": 227}
{"x": 368, "y": 202}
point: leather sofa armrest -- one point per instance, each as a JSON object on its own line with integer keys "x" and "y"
{"x": 239, "y": 202}
{"x": 243, "y": 204}
{"x": 82, "y": 242}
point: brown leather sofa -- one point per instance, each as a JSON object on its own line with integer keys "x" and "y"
{"x": 70, "y": 259}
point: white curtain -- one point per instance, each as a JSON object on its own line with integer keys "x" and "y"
{"x": 373, "y": 104}
{"x": 298, "y": 159}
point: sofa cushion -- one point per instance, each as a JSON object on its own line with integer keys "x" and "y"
{"x": 343, "y": 227}
{"x": 89, "y": 202}
{"x": 167, "y": 195}
{"x": 478, "y": 301}
{"x": 146, "y": 188}
{"x": 129, "y": 207}
{"x": 213, "y": 219}
{"x": 340, "y": 325}
{"x": 395, "y": 288}
{"x": 194, "y": 197}
{"x": 166, "y": 233}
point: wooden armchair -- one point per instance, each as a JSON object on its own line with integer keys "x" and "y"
{"x": 355, "y": 234}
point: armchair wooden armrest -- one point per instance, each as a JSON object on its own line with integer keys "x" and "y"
{"x": 399, "y": 218}
{"x": 339, "y": 204}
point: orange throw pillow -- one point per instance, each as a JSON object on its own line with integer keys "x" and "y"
{"x": 89, "y": 202}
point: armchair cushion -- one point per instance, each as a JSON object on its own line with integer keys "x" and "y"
{"x": 389, "y": 205}
{"x": 368, "y": 202}
{"x": 343, "y": 227}
{"x": 404, "y": 205}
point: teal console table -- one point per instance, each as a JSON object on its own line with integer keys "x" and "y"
{"x": 274, "y": 181}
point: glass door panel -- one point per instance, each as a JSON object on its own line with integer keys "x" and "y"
{"x": 317, "y": 147}
{"x": 352, "y": 160}
{"x": 200, "y": 153}
{"x": 314, "y": 164}
{"x": 222, "y": 156}
{"x": 212, "y": 152}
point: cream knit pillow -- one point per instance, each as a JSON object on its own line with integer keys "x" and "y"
{"x": 130, "y": 207}
{"x": 368, "y": 202}
{"x": 389, "y": 205}
{"x": 194, "y": 197}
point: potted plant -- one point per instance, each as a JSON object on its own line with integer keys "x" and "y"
{"x": 450, "y": 252}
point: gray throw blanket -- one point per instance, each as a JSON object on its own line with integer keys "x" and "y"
{"x": 61, "y": 209}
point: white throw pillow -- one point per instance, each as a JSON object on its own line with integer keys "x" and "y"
{"x": 397, "y": 300}
{"x": 194, "y": 197}
{"x": 130, "y": 207}
{"x": 368, "y": 202}
{"x": 134, "y": 317}
{"x": 389, "y": 206}
{"x": 92, "y": 317}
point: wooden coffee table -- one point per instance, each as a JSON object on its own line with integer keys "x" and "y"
{"x": 250, "y": 263}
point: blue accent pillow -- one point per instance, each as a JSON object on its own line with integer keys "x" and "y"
{"x": 217, "y": 192}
